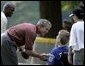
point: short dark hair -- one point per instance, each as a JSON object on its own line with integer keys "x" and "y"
{"x": 68, "y": 25}
{"x": 79, "y": 12}
{"x": 7, "y": 5}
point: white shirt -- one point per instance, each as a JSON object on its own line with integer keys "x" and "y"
{"x": 3, "y": 22}
{"x": 77, "y": 36}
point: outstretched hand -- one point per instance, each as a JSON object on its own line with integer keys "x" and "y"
{"x": 44, "y": 57}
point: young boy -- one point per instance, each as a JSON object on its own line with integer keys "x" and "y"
{"x": 56, "y": 53}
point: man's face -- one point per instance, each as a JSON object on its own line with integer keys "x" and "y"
{"x": 43, "y": 31}
{"x": 10, "y": 11}
{"x": 64, "y": 25}
{"x": 75, "y": 18}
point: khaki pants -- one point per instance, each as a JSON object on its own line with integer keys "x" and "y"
{"x": 78, "y": 57}
{"x": 8, "y": 51}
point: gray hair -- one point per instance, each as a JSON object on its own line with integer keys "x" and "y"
{"x": 8, "y": 4}
{"x": 45, "y": 23}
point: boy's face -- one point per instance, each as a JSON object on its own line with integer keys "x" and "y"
{"x": 66, "y": 38}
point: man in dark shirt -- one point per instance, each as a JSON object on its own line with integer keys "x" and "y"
{"x": 19, "y": 35}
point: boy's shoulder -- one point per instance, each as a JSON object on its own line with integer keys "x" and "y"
{"x": 57, "y": 49}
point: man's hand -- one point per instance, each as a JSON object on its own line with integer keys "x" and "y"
{"x": 70, "y": 55}
{"x": 44, "y": 56}
{"x": 24, "y": 55}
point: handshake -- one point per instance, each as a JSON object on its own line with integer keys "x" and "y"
{"x": 44, "y": 56}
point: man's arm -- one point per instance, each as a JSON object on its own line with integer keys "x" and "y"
{"x": 72, "y": 43}
{"x": 70, "y": 55}
{"x": 27, "y": 53}
{"x": 35, "y": 54}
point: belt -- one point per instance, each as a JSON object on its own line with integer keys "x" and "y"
{"x": 11, "y": 37}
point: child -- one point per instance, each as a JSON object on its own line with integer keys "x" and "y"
{"x": 56, "y": 53}
{"x": 66, "y": 25}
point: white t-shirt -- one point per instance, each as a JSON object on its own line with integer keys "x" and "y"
{"x": 3, "y": 22}
{"x": 77, "y": 36}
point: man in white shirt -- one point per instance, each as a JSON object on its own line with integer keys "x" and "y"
{"x": 76, "y": 42}
{"x": 3, "y": 22}
{"x": 7, "y": 11}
